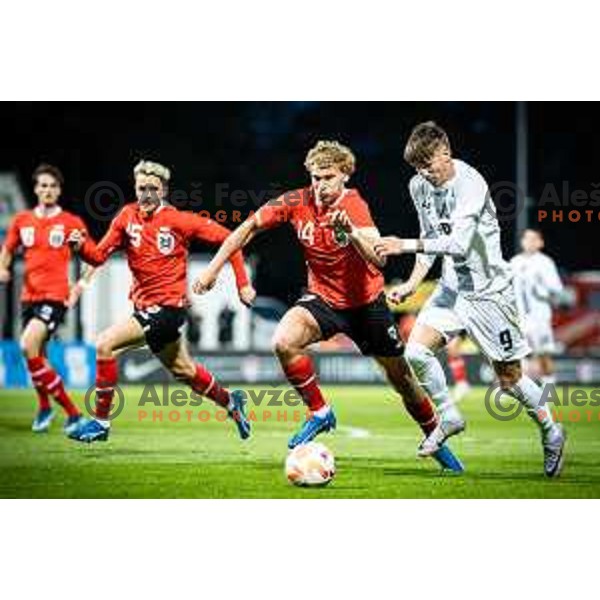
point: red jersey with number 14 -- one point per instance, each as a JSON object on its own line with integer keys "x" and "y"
{"x": 336, "y": 270}
{"x": 43, "y": 238}
{"x": 156, "y": 247}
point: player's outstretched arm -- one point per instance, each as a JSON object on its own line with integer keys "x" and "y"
{"x": 207, "y": 230}
{"x": 236, "y": 240}
{"x": 97, "y": 254}
{"x": 472, "y": 193}
{"x": 456, "y": 244}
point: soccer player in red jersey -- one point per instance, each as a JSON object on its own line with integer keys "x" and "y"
{"x": 155, "y": 239}
{"x": 42, "y": 234}
{"x": 345, "y": 288}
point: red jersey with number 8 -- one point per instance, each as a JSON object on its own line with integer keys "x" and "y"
{"x": 336, "y": 270}
{"x": 43, "y": 238}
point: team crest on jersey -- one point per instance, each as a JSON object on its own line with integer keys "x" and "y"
{"x": 340, "y": 237}
{"x": 56, "y": 237}
{"x": 27, "y": 236}
{"x": 165, "y": 241}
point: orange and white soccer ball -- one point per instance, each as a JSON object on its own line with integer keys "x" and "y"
{"x": 310, "y": 464}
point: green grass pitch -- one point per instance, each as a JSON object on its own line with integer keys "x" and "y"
{"x": 374, "y": 448}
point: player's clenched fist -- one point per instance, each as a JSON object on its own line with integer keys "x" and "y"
{"x": 247, "y": 295}
{"x": 4, "y": 275}
{"x": 400, "y": 293}
{"x": 75, "y": 239}
{"x": 205, "y": 282}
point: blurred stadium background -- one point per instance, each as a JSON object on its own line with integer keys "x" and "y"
{"x": 228, "y": 157}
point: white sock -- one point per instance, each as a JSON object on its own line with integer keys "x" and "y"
{"x": 104, "y": 422}
{"x": 322, "y": 411}
{"x": 530, "y": 397}
{"x": 548, "y": 379}
{"x": 430, "y": 375}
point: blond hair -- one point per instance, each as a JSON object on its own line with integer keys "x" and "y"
{"x": 331, "y": 154}
{"x": 146, "y": 167}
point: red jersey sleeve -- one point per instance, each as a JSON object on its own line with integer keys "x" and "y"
{"x": 358, "y": 212}
{"x": 79, "y": 224}
{"x": 97, "y": 254}
{"x": 13, "y": 238}
{"x": 206, "y": 230}
{"x": 203, "y": 229}
{"x": 278, "y": 210}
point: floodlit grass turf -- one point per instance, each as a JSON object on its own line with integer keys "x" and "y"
{"x": 145, "y": 459}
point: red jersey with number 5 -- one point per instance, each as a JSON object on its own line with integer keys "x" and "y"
{"x": 336, "y": 270}
{"x": 156, "y": 247}
{"x": 43, "y": 238}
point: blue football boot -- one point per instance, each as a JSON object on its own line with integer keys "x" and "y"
{"x": 447, "y": 460}
{"x": 72, "y": 424}
{"x": 237, "y": 411}
{"x": 90, "y": 431}
{"x": 312, "y": 427}
{"x": 42, "y": 420}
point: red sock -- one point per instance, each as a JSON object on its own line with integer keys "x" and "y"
{"x": 57, "y": 388}
{"x": 107, "y": 374}
{"x": 49, "y": 381}
{"x": 36, "y": 366}
{"x": 423, "y": 414}
{"x": 205, "y": 383}
{"x": 301, "y": 375}
{"x": 459, "y": 369}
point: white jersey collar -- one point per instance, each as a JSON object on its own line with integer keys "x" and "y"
{"x": 40, "y": 213}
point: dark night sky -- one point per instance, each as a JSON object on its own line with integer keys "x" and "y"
{"x": 261, "y": 145}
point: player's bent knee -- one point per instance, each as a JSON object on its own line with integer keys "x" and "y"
{"x": 508, "y": 374}
{"x": 418, "y": 355}
{"x": 104, "y": 346}
{"x": 281, "y": 345}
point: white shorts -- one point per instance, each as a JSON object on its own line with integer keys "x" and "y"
{"x": 492, "y": 322}
{"x": 539, "y": 335}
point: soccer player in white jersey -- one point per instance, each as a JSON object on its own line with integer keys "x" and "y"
{"x": 537, "y": 286}
{"x": 475, "y": 292}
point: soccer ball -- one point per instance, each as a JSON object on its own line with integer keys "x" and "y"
{"x": 310, "y": 465}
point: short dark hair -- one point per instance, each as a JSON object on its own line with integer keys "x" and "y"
{"x": 46, "y": 169}
{"x": 424, "y": 140}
